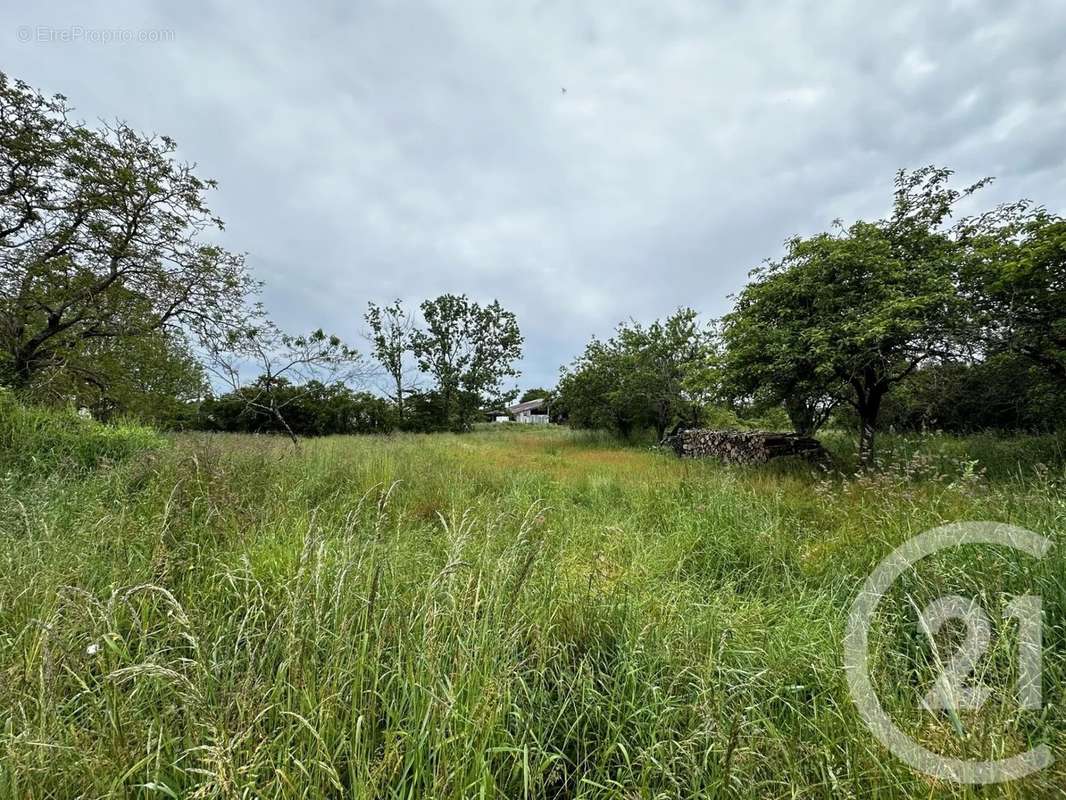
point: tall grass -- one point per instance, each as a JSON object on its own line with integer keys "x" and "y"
{"x": 510, "y": 613}
{"x": 35, "y": 440}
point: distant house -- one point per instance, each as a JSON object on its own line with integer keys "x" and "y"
{"x": 494, "y": 415}
{"x": 532, "y": 411}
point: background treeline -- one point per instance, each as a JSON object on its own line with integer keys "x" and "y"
{"x": 311, "y": 409}
{"x": 114, "y": 299}
{"x": 912, "y": 321}
{"x": 1004, "y": 393}
{"x": 436, "y": 370}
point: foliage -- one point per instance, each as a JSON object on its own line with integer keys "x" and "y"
{"x": 638, "y": 378}
{"x": 41, "y": 440}
{"x": 390, "y": 337}
{"x": 1015, "y": 278}
{"x": 468, "y": 350}
{"x": 311, "y": 409}
{"x": 844, "y": 317}
{"x": 425, "y": 412}
{"x": 534, "y": 394}
{"x": 154, "y": 378}
{"x": 102, "y": 242}
{"x": 1005, "y": 392}
{"x": 280, "y": 360}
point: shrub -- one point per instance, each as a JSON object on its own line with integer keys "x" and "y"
{"x": 34, "y": 438}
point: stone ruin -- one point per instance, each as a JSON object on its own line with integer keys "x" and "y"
{"x": 743, "y": 447}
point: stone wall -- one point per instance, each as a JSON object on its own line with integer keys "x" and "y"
{"x": 743, "y": 447}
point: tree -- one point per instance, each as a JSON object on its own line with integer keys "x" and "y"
{"x": 390, "y": 337}
{"x": 846, "y": 316}
{"x": 759, "y": 375}
{"x": 1015, "y": 278}
{"x": 659, "y": 358}
{"x": 534, "y": 394}
{"x": 155, "y": 378}
{"x": 1005, "y": 392}
{"x": 592, "y": 392}
{"x": 311, "y": 409}
{"x": 641, "y": 377}
{"x": 468, "y": 350}
{"x": 100, "y": 239}
{"x": 279, "y": 360}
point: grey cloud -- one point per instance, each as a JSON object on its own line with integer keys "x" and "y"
{"x": 376, "y": 150}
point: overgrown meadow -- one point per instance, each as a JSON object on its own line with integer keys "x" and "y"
{"x": 508, "y": 613}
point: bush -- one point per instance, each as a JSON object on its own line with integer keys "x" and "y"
{"x": 312, "y": 409}
{"x": 34, "y": 438}
{"x": 1001, "y": 394}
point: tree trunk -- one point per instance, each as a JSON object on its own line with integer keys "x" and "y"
{"x": 662, "y": 419}
{"x": 800, "y": 415}
{"x": 868, "y": 407}
{"x": 866, "y": 444}
{"x": 281, "y": 419}
{"x": 22, "y": 367}
{"x": 446, "y": 408}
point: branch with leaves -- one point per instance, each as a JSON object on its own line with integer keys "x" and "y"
{"x": 101, "y": 237}
{"x": 278, "y": 361}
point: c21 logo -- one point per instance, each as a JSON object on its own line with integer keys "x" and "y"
{"x": 953, "y": 689}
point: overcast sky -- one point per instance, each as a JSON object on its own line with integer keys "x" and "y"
{"x": 371, "y": 150}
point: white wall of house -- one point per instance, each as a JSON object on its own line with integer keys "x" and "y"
{"x": 530, "y": 418}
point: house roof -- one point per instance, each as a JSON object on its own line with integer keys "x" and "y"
{"x": 529, "y": 405}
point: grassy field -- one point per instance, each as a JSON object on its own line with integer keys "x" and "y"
{"x": 507, "y": 613}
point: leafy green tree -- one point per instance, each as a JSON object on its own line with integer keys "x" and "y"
{"x": 425, "y": 412}
{"x": 1004, "y": 392}
{"x": 1015, "y": 277}
{"x": 364, "y": 413}
{"x": 534, "y": 394}
{"x": 660, "y": 357}
{"x": 591, "y": 394}
{"x": 468, "y": 350}
{"x": 640, "y": 377}
{"x": 390, "y": 337}
{"x": 846, "y": 316}
{"x": 155, "y": 378}
{"x": 311, "y": 409}
{"x": 101, "y": 238}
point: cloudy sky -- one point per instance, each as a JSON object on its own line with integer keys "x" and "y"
{"x": 371, "y": 150}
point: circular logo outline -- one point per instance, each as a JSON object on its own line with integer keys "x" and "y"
{"x": 856, "y": 642}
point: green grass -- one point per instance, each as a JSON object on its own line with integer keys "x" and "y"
{"x": 503, "y": 614}
{"x": 38, "y": 440}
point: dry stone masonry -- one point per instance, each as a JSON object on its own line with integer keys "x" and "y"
{"x": 743, "y": 447}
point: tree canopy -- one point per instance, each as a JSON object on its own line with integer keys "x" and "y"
{"x": 391, "y": 327}
{"x": 102, "y": 238}
{"x": 847, "y": 315}
{"x": 468, "y": 350}
{"x": 313, "y": 408}
{"x": 640, "y": 377}
{"x": 278, "y": 361}
{"x": 1014, "y": 277}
